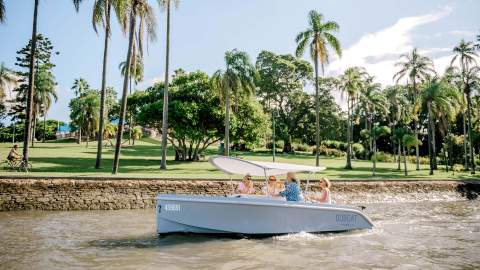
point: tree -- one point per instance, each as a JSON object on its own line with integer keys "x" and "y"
{"x": 465, "y": 54}
{"x": 280, "y": 91}
{"x": 318, "y": 37}
{"x": 377, "y": 132}
{"x": 439, "y": 99}
{"x": 166, "y": 4}
{"x": 80, "y": 88}
{"x": 351, "y": 83}
{"x": 8, "y": 81}
{"x": 398, "y": 113}
{"x": 238, "y": 78}
{"x": 372, "y": 102}
{"x": 417, "y": 68}
{"x": 84, "y": 112}
{"x": 408, "y": 141}
{"x": 144, "y": 12}
{"x": 44, "y": 82}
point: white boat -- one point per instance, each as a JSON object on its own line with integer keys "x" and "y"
{"x": 253, "y": 214}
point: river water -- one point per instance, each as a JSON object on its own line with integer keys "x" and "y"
{"x": 407, "y": 235}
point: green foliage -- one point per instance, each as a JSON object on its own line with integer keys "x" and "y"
{"x": 329, "y": 152}
{"x": 84, "y": 112}
{"x": 278, "y": 145}
{"x": 249, "y": 125}
{"x": 358, "y": 150}
{"x": 381, "y": 156}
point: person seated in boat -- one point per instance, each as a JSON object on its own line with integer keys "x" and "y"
{"x": 292, "y": 191}
{"x": 246, "y": 186}
{"x": 324, "y": 196}
{"x": 273, "y": 187}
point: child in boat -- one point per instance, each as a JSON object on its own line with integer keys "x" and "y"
{"x": 273, "y": 187}
{"x": 292, "y": 191}
{"x": 246, "y": 186}
{"x": 324, "y": 196}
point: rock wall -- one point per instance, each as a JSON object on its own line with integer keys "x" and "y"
{"x": 65, "y": 194}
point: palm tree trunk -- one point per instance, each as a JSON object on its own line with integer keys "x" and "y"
{"x": 79, "y": 139}
{"x": 405, "y": 159}
{"x": 34, "y": 127}
{"x": 374, "y": 155}
{"x": 465, "y": 139}
{"x": 31, "y": 83}
{"x": 349, "y": 123}
{"x": 417, "y": 150}
{"x": 163, "y": 164}
{"x": 469, "y": 115}
{"x": 317, "y": 114}
{"x": 399, "y": 154}
{"x": 44, "y": 125}
{"x": 434, "y": 148}
{"x": 227, "y": 124}
{"x": 123, "y": 107}
{"x": 103, "y": 94}
{"x": 430, "y": 129}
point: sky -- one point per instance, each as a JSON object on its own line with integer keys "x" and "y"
{"x": 373, "y": 34}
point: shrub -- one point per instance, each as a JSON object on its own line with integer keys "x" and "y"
{"x": 335, "y": 144}
{"x": 382, "y": 157}
{"x": 421, "y": 160}
{"x": 358, "y": 150}
{"x": 301, "y": 147}
{"x": 278, "y": 145}
{"x": 329, "y": 151}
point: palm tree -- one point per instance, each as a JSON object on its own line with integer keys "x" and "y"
{"x": 439, "y": 99}
{"x": 408, "y": 141}
{"x": 8, "y": 81}
{"x": 80, "y": 88}
{"x": 45, "y": 93}
{"x": 31, "y": 78}
{"x": 399, "y": 113}
{"x": 371, "y": 101}
{"x": 3, "y": 17}
{"x": 166, "y": 4}
{"x": 417, "y": 68}
{"x": 102, "y": 10}
{"x": 318, "y": 37}
{"x": 239, "y": 78}
{"x": 377, "y": 132}
{"x": 144, "y": 12}
{"x": 351, "y": 82}
{"x": 465, "y": 54}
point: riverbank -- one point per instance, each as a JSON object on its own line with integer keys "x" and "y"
{"x": 108, "y": 194}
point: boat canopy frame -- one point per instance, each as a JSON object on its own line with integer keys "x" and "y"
{"x": 232, "y": 166}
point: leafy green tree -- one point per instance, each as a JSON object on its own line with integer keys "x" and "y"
{"x": 194, "y": 110}
{"x": 141, "y": 10}
{"x": 417, "y": 69}
{"x": 238, "y": 78}
{"x": 399, "y": 109}
{"x": 8, "y": 81}
{"x": 318, "y": 36}
{"x": 351, "y": 82}
{"x": 280, "y": 90}
{"x": 84, "y": 113}
{"x": 80, "y": 88}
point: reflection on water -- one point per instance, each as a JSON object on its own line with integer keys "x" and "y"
{"x": 410, "y": 235}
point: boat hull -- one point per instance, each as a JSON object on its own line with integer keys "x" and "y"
{"x": 252, "y": 216}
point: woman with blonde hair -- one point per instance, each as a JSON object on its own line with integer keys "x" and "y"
{"x": 246, "y": 186}
{"x": 324, "y": 196}
{"x": 273, "y": 187}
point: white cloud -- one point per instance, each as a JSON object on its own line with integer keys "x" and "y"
{"x": 379, "y": 51}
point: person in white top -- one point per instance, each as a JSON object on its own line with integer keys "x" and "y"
{"x": 324, "y": 196}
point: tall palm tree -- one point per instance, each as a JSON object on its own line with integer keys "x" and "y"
{"x": 372, "y": 102}
{"x": 3, "y": 17}
{"x": 138, "y": 9}
{"x": 318, "y": 36}
{"x": 351, "y": 83}
{"x": 440, "y": 100}
{"x": 80, "y": 88}
{"x": 239, "y": 77}
{"x": 166, "y": 4}
{"x": 8, "y": 81}
{"x": 465, "y": 54}
{"x": 31, "y": 82}
{"x": 399, "y": 113}
{"x": 101, "y": 15}
{"x": 45, "y": 93}
{"x": 417, "y": 68}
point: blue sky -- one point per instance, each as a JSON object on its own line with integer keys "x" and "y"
{"x": 373, "y": 34}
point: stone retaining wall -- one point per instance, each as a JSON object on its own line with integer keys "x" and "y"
{"x": 64, "y": 194}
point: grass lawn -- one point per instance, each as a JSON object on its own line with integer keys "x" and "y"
{"x": 67, "y": 159}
